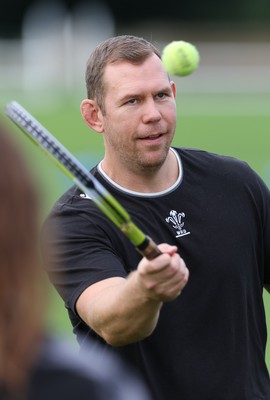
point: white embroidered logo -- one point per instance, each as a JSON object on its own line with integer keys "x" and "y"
{"x": 176, "y": 219}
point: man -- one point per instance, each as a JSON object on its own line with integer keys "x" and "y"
{"x": 198, "y": 337}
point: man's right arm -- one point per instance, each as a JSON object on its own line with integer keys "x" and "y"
{"x": 124, "y": 311}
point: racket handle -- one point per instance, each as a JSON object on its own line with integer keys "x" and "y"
{"x": 150, "y": 249}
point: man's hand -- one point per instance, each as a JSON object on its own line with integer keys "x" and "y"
{"x": 164, "y": 277}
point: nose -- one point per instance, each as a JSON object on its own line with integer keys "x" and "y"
{"x": 151, "y": 112}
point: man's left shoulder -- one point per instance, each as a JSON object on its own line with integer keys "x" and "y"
{"x": 204, "y": 156}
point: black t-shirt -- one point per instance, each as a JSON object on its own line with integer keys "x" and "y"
{"x": 209, "y": 344}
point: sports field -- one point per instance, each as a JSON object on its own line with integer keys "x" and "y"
{"x": 231, "y": 124}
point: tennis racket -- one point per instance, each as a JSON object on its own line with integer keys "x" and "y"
{"x": 82, "y": 178}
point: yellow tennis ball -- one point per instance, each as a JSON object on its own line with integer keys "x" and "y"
{"x": 180, "y": 58}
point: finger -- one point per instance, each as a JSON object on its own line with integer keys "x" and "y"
{"x": 168, "y": 249}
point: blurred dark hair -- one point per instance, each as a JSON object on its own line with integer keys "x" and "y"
{"x": 20, "y": 309}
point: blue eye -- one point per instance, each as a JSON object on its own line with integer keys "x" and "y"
{"x": 132, "y": 101}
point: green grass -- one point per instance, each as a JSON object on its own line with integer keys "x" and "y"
{"x": 235, "y": 125}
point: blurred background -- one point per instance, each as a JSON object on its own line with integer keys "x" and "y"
{"x": 223, "y": 107}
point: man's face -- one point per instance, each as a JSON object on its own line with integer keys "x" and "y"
{"x": 140, "y": 117}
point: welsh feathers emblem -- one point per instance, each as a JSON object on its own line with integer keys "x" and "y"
{"x": 176, "y": 220}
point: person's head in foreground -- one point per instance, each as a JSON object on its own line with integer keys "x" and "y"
{"x": 20, "y": 303}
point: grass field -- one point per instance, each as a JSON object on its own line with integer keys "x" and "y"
{"x": 236, "y": 125}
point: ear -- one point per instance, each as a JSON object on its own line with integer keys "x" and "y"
{"x": 91, "y": 114}
{"x": 173, "y": 86}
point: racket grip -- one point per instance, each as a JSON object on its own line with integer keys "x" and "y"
{"x": 151, "y": 250}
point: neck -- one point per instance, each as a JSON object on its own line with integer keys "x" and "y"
{"x": 145, "y": 181}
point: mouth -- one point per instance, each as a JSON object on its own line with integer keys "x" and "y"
{"x": 152, "y": 137}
